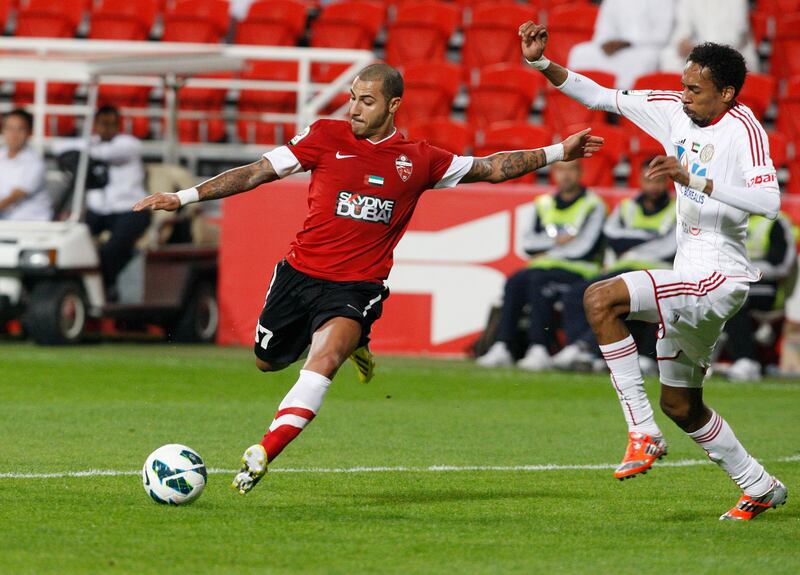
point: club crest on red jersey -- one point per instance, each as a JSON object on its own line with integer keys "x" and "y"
{"x": 404, "y": 167}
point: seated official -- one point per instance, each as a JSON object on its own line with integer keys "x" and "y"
{"x": 22, "y": 192}
{"x": 641, "y": 234}
{"x": 564, "y": 241}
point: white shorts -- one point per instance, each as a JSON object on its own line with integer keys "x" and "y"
{"x": 691, "y": 308}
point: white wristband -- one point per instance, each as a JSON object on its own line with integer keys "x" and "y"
{"x": 188, "y": 196}
{"x": 697, "y": 182}
{"x": 540, "y": 64}
{"x": 554, "y": 153}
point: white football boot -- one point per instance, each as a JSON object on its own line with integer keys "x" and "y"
{"x": 497, "y": 356}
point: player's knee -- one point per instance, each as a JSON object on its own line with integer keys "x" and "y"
{"x": 677, "y": 409}
{"x": 596, "y": 303}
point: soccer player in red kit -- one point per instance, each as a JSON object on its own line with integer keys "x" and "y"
{"x": 366, "y": 179}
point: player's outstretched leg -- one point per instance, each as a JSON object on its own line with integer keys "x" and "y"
{"x": 605, "y": 302}
{"x": 296, "y": 411}
{"x": 364, "y": 361}
{"x": 760, "y": 490}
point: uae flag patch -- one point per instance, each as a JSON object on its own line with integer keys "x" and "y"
{"x": 374, "y": 180}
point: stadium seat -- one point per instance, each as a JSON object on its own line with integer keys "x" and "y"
{"x": 57, "y": 93}
{"x": 430, "y": 88}
{"x": 778, "y": 149}
{"x": 788, "y": 119}
{"x": 492, "y": 35}
{"x": 659, "y": 81}
{"x": 204, "y": 21}
{"x": 561, "y": 111}
{"x": 44, "y": 25}
{"x": 421, "y": 31}
{"x": 5, "y": 12}
{"x": 505, "y": 92}
{"x": 757, "y": 93}
{"x": 572, "y": 24}
{"x": 207, "y": 100}
{"x": 274, "y": 23}
{"x": 71, "y": 10}
{"x": 503, "y": 136}
{"x": 785, "y": 57}
{"x": 145, "y": 11}
{"x": 760, "y": 26}
{"x": 117, "y": 27}
{"x": 453, "y": 136}
{"x": 641, "y": 147}
{"x": 598, "y": 171}
{"x": 255, "y": 131}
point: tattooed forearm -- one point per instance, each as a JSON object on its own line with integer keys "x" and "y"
{"x": 515, "y": 164}
{"x": 237, "y": 180}
{"x": 504, "y": 166}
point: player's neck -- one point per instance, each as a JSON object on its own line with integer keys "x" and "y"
{"x": 385, "y": 133}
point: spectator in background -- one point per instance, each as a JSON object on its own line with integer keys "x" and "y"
{"x": 565, "y": 242}
{"x": 22, "y": 192}
{"x": 641, "y": 233}
{"x": 109, "y": 208}
{"x": 771, "y": 247}
{"x": 720, "y": 21}
{"x": 628, "y": 38}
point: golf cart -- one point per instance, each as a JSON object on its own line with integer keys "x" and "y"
{"x": 50, "y": 277}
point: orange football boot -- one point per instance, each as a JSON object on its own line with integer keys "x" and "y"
{"x": 748, "y": 507}
{"x": 642, "y": 452}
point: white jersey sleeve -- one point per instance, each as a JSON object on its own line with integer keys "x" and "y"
{"x": 651, "y": 110}
{"x": 752, "y": 151}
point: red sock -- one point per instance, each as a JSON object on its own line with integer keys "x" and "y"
{"x": 287, "y": 425}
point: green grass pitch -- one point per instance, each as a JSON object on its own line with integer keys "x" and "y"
{"x": 105, "y": 407}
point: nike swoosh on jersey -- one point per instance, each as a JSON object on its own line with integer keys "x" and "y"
{"x": 339, "y": 156}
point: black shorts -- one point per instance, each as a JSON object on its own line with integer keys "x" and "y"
{"x": 298, "y": 304}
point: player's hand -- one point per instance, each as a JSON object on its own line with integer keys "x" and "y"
{"x": 158, "y": 201}
{"x": 668, "y": 166}
{"x": 534, "y": 39}
{"x": 581, "y": 145}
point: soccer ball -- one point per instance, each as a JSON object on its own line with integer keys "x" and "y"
{"x": 174, "y": 475}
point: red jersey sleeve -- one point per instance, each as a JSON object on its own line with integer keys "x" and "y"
{"x": 307, "y": 146}
{"x": 440, "y": 161}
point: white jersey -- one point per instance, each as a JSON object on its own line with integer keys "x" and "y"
{"x": 733, "y": 150}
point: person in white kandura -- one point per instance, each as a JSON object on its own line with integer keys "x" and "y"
{"x": 718, "y": 157}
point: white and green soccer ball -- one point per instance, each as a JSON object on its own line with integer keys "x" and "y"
{"x": 174, "y": 475}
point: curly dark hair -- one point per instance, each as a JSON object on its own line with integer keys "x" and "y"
{"x": 726, "y": 64}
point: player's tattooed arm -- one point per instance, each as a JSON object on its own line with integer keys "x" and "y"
{"x": 504, "y": 166}
{"x": 235, "y": 181}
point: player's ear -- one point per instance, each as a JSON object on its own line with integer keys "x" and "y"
{"x": 394, "y": 104}
{"x": 728, "y": 94}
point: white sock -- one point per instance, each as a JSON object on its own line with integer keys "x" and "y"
{"x": 718, "y": 440}
{"x": 306, "y": 394}
{"x": 622, "y": 358}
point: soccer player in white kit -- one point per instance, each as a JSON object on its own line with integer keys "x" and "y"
{"x": 718, "y": 157}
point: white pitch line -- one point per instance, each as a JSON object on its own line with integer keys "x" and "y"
{"x": 430, "y": 469}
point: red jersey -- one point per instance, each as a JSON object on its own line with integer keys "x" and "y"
{"x": 361, "y": 197}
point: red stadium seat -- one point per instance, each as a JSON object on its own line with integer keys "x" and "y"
{"x": 214, "y": 12}
{"x": 641, "y": 148}
{"x": 757, "y": 93}
{"x": 561, "y": 111}
{"x": 453, "y": 136}
{"x": 180, "y": 28}
{"x": 209, "y": 100}
{"x": 421, "y": 31}
{"x": 286, "y": 17}
{"x": 659, "y": 81}
{"x": 598, "y": 171}
{"x": 430, "y": 88}
{"x": 117, "y": 27}
{"x": 254, "y": 131}
{"x": 71, "y": 10}
{"x": 5, "y": 11}
{"x": 778, "y": 149}
{"x": 571, "y": 24}
{"x": 369, "y": 14}
{"x": 788, "y": 120}
{"x": 143, "y": 10}
{"x": 492, "y": 35}
{"x": 785, "y": 57}
{"x": 44, "y": 25}
{"x": 512, "y": 136}
{"x": 505, "y": 93}
{"x": 760, "y": 25}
